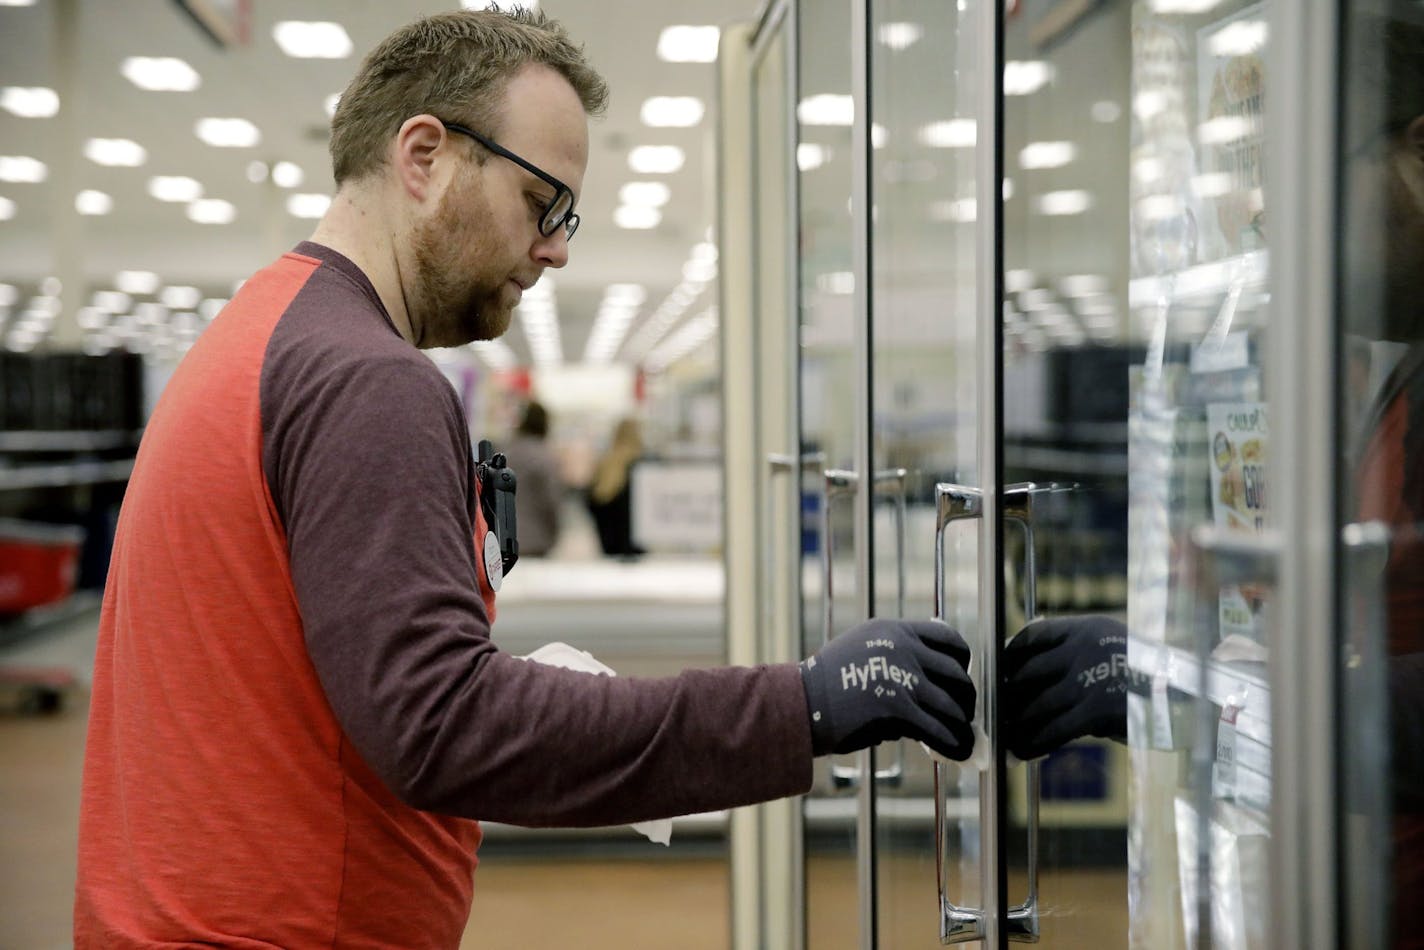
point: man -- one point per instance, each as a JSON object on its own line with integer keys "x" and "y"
{"x": 298, "y": 708}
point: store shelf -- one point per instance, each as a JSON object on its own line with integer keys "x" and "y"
{"x": 1249, "y": 269}
{"x": 1224, "y": 684}
{"x": 58, "y": 476}
{"x": 94, "y": 440}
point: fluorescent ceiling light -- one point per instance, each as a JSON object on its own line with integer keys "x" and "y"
{"x": 703, "y": 251}
{"x": 1224, "y": 129}
{"x": 961, "y": 211}
{"x": 1160, "y": 208}
{"x": 1148, "y": 103}
{"x": 307, "y": 205}
{"x": 879, "y": 135}
{"x": 841, "y": 282}
{"x": 112, "y": 301}
{"x": 312, "y": 40}
{"x": 7, "y": 209}
{"x": 1211, "y": 184}
{"x": 899, "y": 36}
{"x": 51, "y": 287}
{"x": 228, "y": 133}
{"x": 124, "y": 153}
{"x": 631, "y": 295}
{"x": 1240, "y": 38}
{"x": 1182, "y": 6}
{"x": 211, "y": 211}
{"x": 175, "y": 188}
{"x": 826, "y": 108}
{"x": 699, "y": 271}
{"x": 180, "y": 297}
{"x": 160, "y": 73}
{"x": 22, "y": 169}
{"x": 679, "y": 112}
{"x": 648, "y": 194}
{"x": 496, "y": 353}
{"x": 211, "y": 307}
{"x": 17, "y": 3}
{"x": 809, "y": 155}
{"x": 1056, "y": 203}
{"x": 1019, "y": 280}
{"x": 138, "y": 282}
{"x": 330, "y": 102}
{"x": 688, "y": 44}
{"x": 1083, "y": 285}
{"x": 90, "y": 201}
{"x": 655, "y": 159}
{"x": 29, "y": 102}
{"x": 637, "y": 218}
{"x": 287, "y": 175}
{"x": 8, "y": 295}
{"x": 1046, "y": 154}
{"x": 1022, "y": 77}
{"x": 951, "y": 133}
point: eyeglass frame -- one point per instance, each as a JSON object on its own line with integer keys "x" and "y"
{"x": 570, "y": 220}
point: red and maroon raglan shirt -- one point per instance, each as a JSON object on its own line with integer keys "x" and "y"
{"x": 298, "y": 710}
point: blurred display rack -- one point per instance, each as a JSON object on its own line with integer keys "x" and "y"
{"x": 64, "y": 474}
{"x": 1226, "y": 684}
{"x": 96, "y": 440}
{"x": 1249, "y": 269}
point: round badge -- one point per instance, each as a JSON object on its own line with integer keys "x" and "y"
{"x": 494, "y": 562}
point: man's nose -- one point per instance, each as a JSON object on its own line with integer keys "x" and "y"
{"x": 552, "y": 251}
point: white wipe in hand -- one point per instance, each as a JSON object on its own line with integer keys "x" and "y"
{"x": 572, "y": 658}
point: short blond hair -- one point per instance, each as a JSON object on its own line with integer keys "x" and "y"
{"x": 455, "y": 66}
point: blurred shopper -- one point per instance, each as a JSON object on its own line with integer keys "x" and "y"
{"x": 610, "y": 494}
{"x": 541, "y": 489}
{"x": 297, "y": 707}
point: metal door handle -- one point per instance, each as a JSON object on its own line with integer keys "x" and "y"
{"x": 838, "y": 483}
{"x": 956, "y": 503}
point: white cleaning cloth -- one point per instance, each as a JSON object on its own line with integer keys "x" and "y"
{"x": 572, "y": 658}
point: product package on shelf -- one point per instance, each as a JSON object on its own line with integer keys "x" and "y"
{"x": 1167, "y": 497}
{"x": 1239, "y": 433}
{"x": 1236, "y": 850}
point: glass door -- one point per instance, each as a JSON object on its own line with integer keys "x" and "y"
{"x": 926, "y": 75}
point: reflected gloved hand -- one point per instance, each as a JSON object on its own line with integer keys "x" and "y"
{"x": 888, "y": 679}
{"x": 1065, "y": 678}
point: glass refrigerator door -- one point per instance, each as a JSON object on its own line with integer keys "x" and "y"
{"x": 1200, "y": 555}
{"x": 828, "y": 379}
{"x": 924, "y": 76}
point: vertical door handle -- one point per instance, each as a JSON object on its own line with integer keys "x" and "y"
{"x": 841, "y": 483}
{"x": 956, "y": 503}
{"x": 894, "y": 482}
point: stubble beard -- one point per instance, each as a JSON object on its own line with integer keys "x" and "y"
{"x": 452, "y": 303}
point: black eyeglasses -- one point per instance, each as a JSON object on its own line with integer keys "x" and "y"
{"x": 560, "y": 209}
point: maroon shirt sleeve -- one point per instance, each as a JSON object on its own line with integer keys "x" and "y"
{"x": 368, "y": 460}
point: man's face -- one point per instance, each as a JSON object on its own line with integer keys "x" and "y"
{"x": 480, "y": 248}
{"x": 1384, "y": 247}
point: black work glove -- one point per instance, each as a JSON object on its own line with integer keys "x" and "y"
{"x": 1065, "y": 678}
{"x": 888, "y": 679}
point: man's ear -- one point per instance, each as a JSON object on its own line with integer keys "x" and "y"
{"x": 417, "y": 142}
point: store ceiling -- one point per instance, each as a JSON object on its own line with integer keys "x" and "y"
{"x": 284, "y": 98}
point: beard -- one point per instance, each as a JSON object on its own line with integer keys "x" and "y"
{"x": 453, "y": 300}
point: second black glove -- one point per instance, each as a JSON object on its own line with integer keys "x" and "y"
{"x": 890, "y": 679}
{"x": 1065, "y": 678}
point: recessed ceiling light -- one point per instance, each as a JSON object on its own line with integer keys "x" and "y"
{"x": 211, "y": 211}
{"x": 312, "y": 40}
{"x": 1064, "y": 202}
{"x": 1240, "y": 38}
{"x": 688, "y": 44}
{"x": 809, "y": 155}
{"x": 1182, "y": 6}
{"x": 635, "y": 218}
{"x": 22, "y": 169}
{"x": 899, "y": 36}
{"x": 90, "y": 201}
{"x": 180, "y": 297}
{"x": 651, "y": 194}
{"x": 287, "y": 174}
{"x": 655, "y": 159}
{"x": 672, "y": 111}
{"x": 112, "y": 301}
{"x": 228, "y": 133}
{"x": 175, "y": 188}
{"x": 52, "y": 287}
{"x": 29, "y": 102}
{"x": 160, "y": 73}
{"x": 124, "y": 153}
{"x": 839, "y": 282}
{"x": 1022, "y": 77}
{"x": 7, "y": 209}
{"x": 826, "y": 109}
{"x": 330, "y": 102}
{"x": 17, "y": 3}
{"x": 1036, "y": 155}
{"x": 257, "y": 171}
{"x": 951, "y": 133}
{"x": 138, "y": 282}
{"x": 308, "y": 205}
